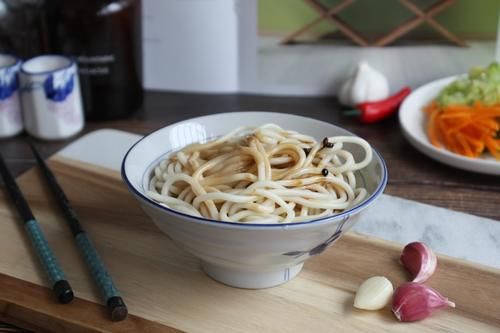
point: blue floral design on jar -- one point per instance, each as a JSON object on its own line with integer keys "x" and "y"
{"x": 59, "y": 85}
{"x": 8, "y": 82}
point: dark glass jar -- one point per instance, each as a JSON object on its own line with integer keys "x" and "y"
{"x": 23, "y": 29}
{"x": 105, "y": 38}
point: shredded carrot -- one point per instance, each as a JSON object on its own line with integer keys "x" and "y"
{"x": 468, "y": 130}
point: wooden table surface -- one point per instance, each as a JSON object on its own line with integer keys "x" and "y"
{"x": 412, "y": 175}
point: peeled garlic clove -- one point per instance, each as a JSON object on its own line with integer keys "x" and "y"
{"x": 415, "y": 301}
{"x": 419, "y": 260}
{"x": 374, "y": 293}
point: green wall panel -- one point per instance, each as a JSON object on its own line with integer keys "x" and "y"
{"x": 467, "y": 18}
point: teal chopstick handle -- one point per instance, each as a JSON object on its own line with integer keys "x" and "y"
{"x": 47, "y": 258}
{"x": 49, "y": 262}
{"x": 114, "y": 302}
{"x": 94, "y": 262}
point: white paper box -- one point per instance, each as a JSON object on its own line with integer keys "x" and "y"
{"x": 199, "y": 45}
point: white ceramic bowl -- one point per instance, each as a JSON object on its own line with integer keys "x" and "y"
{"x": 412, "y": 121}
{"x": 244, "y": 255}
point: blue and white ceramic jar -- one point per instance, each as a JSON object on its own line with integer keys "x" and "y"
{"x": 11, "y": 122}
{"x": 51, "y": 97}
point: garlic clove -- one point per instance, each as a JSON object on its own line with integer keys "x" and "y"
{"x": 415, "y": 301}
{"x": 419, "y": 260}
{"x": 374, "y": 293}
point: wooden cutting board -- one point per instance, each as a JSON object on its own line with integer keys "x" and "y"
{"x": 166, "y": 290}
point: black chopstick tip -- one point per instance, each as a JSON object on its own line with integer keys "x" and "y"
{"x": 117, "y": 308}
{"x": 63, "y": 291}
{"x": 34, "y": 150}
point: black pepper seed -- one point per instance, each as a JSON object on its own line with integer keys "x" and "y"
{"x": 324, "y": 172}
{"x": 307, "y": 150}
{"x": 327, "y": 144}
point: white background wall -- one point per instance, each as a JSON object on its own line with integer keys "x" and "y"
{"x": 199, "y": 45}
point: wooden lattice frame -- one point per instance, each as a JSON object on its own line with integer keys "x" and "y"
{"x": 421, "y": 16}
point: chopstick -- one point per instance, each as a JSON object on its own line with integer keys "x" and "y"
{"x": 55, "y": 274}
{"x": 114, "y": 301}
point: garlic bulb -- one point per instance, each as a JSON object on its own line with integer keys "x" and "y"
{"x": 365, "y": 85}
{"x": 374, "y": 294}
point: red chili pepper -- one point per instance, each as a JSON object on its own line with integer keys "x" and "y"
{"x": 371, "y": 112}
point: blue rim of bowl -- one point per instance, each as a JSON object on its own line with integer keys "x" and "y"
{"x": 17, "y": 61}
{"x": 380, "y": 188}
{"x": 70, "y": 59}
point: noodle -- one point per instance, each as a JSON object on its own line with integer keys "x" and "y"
{"x": 261, "y": 175}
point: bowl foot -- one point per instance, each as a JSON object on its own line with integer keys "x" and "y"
{"x": 248, "y": 279}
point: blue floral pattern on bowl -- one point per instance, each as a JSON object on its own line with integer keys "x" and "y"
{"x": 8, "y": 82}
{"x": 59, "y": 85}
{"x": 323, "y": 246}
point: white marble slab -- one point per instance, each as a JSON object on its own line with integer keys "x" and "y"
{"x": 448, "y": 232}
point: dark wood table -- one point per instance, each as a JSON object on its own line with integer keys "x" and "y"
{"x": 412, "y": 175}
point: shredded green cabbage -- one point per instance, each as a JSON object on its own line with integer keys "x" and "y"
{"x": 482, "y": 84}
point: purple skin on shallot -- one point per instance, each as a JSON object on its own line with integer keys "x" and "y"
{"x": 419, "y": 260}
{"x": 415, "y": 301}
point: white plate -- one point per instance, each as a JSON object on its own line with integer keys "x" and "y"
{"x": 412, "y": 121}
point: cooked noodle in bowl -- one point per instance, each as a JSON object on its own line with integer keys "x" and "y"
{"x": 262, "y": 175}
{"x": 255, "y": 199}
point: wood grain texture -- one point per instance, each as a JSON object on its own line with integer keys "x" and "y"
{"x": 165, "y": 286}
{"x": 412, "y": 175}
{"x": 31, "y": 306}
